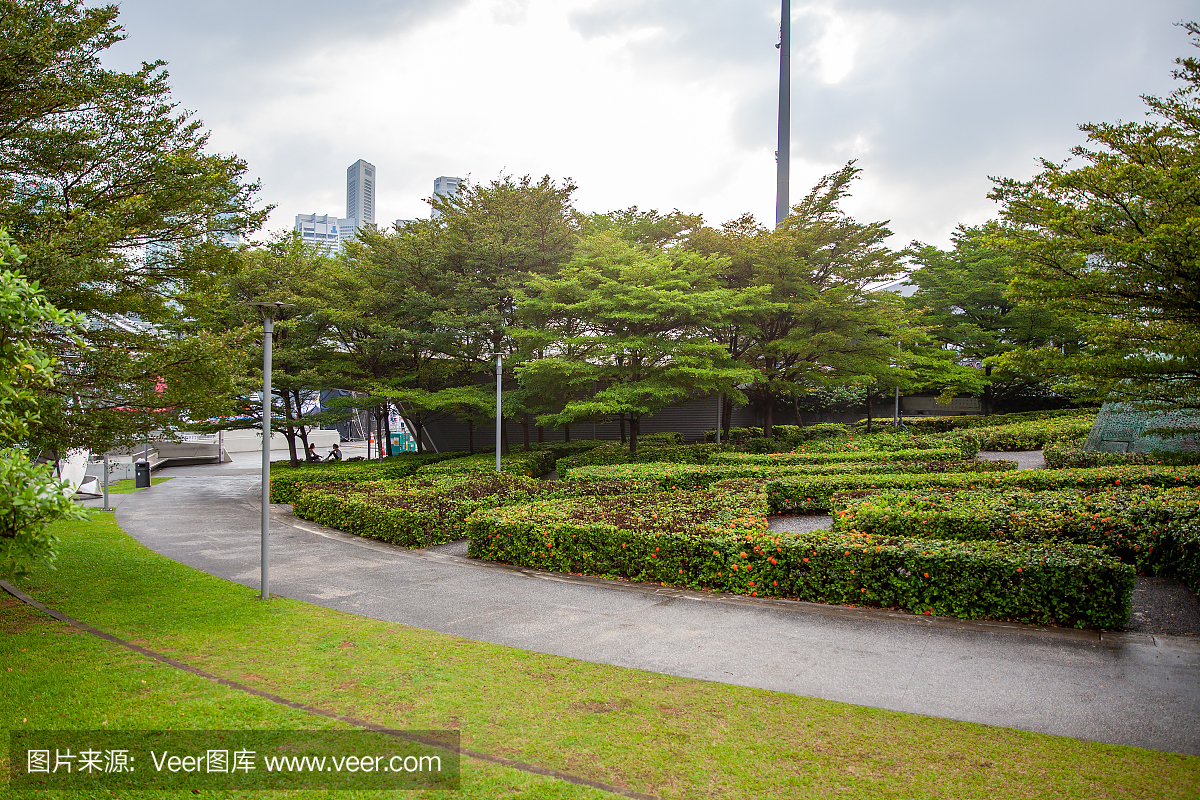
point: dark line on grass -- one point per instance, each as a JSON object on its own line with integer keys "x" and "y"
{"x": 359, "y": 723}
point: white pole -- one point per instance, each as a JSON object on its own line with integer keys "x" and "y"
{"x": 499, "y": 375}
{"x": 106, "y": 482}
{"x": 264, "y": 559}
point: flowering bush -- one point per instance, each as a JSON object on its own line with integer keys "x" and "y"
{"x": 1033, "y": 435}
{"x": 812, "y": 493}
{"x": 424, "y": 511}
{"x": 1066, "y": 455}
{"x": 286, "y": 481}
{"x": 717, "y": 539}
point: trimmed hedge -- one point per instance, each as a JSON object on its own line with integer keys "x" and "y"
{"x": 792, "y": 459}
{"x": 531, "y": 463}
{"x": 428, "y": 511}
{"x": 814, "y": 493}
{"x": 1158, "y": 531}
{"x": 287, "y": 481}
{"x": 698, "y": 476}
{"x": 1026, "y": 435}
{"x": 564, "y": 449}
{"x": 718, "y": 540}
{"x": 791, "y": 434}
{"x": 923, "y": 424}
{"x": 617, "y": 453}
{"x": 887, "y": 440}
{"x": 1067, "y": 455}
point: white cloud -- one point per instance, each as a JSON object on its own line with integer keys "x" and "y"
{"x": 658, "y": 103}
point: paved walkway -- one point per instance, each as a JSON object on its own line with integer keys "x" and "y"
{"x": 1131, "y": 689}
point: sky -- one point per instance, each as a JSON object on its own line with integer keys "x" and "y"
{"x": 660, "y": 104}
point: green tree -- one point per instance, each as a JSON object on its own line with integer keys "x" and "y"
{"x": 962, "y": 297}
{"x": 641, "y": 338}
{"x": 117, "y": 204}
{"x": 1114, "y": 240}
{"x": 31, "y": 497}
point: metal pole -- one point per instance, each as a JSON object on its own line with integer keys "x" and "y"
{"x": 264, "y": 559}
{"x": 106, "y": 482}
{"x": 499, "y": 375}
{"x": 783, "y": 156}
{"x": 896, "y": 410}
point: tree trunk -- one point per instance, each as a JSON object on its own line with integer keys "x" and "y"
{"x": 870, "y": 398}
{"x": 566, "y": 433}
{"x": 541, "y": 433}
{"x": 769, "y": 416}
{"x": 525, "y": 425}
{"x": 471, "y": 436}
{"x": 987, "y": 392}
{"x": 299, "y": 416}
{"x": 621, "y": 419}
{"x": 288, "y": 431}
{"x": 387, "y": 429}
{"x": 635, "y": 427}
{"x": 727, "y": 418}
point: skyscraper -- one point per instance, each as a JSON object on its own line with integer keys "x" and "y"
{"x": 360, "y": 193}
{"x": 445, "y": 186}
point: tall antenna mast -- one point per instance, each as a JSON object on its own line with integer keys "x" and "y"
{"x": 783, "y": 151}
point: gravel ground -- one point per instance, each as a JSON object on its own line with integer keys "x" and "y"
{"x": 800, "y": 524}
{"x": 1026, "y": 459}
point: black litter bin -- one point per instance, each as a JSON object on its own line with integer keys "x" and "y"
{"x": 141, "y": 474}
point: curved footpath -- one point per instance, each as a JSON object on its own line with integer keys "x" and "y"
{"x": 1123, "y": 688}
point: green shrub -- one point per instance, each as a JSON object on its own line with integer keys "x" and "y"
{"x": 531, "y": 463}
{"x": 1158, "y": 531}
{"x": 718, "y": 540}
{"x": 792, "y": 434}
{"x": 1033, "y": 435}
{"x": 887, "y": 440}
{"x": 923, "y": 424}
{"x": 814, "y": 493}
{"x": 430, "y": 510}
{"x": 564, "y": 449}
{"x": 617, "y": 453}
{"x": 286, "y": 480}
{"x": 1068, "y": 455}
{"x": 698, "y": 476}
{"x": 790, "y": 459}
{"x": 660, "y": 438}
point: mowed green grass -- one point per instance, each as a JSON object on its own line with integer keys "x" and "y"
{"x": 128, "y": 486}
{"x": 667, "y": 736}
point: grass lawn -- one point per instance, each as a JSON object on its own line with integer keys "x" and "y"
{"x": 127, "y": 486}
{"x": 661, "y": 735}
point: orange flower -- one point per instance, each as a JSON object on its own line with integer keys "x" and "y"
{"x": 926, "y": 574}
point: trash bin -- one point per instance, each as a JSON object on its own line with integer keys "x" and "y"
{"x": 141, "y": 474}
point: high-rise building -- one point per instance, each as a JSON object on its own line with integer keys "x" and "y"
{"x": 445, "y": 186}
{"x": 322, "y": 229}
{"x": 360, "y": 192}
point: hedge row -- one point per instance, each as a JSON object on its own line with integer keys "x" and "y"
{"x": 1026, "y": 435}
{"x": 286, "y": 481}
{"x": 814, "y": 493}
{"x": 426, "y": 511}
{"x": 922, "y": 424}
{"x": 698, "y": 476}
{"x": 617, "y": 453}
{"x": 791, "y": 434}
{"x": 877, "y": 456}
{"x": 718, "y": 540}
{"x": 1067, "y": 455}
{"x": 887, "y": 440}
{"x": 531, "y": 463}
{"x": 1158, "y": 531}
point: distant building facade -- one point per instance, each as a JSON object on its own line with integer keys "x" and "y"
{"x": 360, "y": 197}
{"x": 445, "y": 186}
{"x": 324, "y": 230}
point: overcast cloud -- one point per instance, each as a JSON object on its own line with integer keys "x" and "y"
{"x": 656, "y": 103}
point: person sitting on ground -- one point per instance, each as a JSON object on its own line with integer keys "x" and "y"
{"x": 312, "y": 453}
{"x": 335, "y": 453}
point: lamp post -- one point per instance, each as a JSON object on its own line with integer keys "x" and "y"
{"x": 499, "y": 376}
{"x": 783, "y": 155}
{"x": 268, "y": 311}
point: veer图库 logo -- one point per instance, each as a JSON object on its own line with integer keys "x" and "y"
{"x": 217, "y": 760}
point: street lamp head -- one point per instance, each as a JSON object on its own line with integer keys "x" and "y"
{"x": 269, "y": 309}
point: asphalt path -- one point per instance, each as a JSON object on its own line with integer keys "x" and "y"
{"x": 1121, "y": 688}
